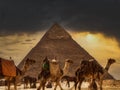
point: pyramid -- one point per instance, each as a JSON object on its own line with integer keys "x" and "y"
{"x": 58, "y": 43}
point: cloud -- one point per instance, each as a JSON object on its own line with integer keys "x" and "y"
{"x": 10, "y": 49}
{"x": 29, "y": 40}
{"x": 1, "y": 52}
{"x": 18, "y": 45}
{"x": 97, "y": 43}
{"x": 26, "y": 43}
{"x": 79, "y": 15}
{"x": 9, "y": 40}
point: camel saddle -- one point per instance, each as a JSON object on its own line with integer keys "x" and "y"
{"x": 8, "y": 67}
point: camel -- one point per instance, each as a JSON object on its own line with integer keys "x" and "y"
{"x": 66, "y": 73}
{"x": 29, "y": 80}
{"x": 55, "y": 74}
{"x": 11, "y": 79}
{"x": 8, "y": 71}
{"x": 92, "y": 71}
{"x": 26, "y": 66}
{"x": 100, "y": 76}
{"x": 19, "y": 73}
{"x": 66, "y": 69}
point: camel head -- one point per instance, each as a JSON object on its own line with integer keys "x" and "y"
{"x": 111, "y": 61}
{"x": 84, "y": 62}
{"x": 30, "y": 61}
{"x": 46, "y": 59}
{"x": 69, "y": 61}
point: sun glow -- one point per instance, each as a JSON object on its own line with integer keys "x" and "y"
{"x": 91, "y": 38}
{"x": 98, "y": 45}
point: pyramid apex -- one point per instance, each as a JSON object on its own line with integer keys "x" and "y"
{"x": 57, "y": 32}
{"x": 56, "y": 24}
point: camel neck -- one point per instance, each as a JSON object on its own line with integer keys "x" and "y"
{"x": 25, "y": 67}
{"x": 107, "y": 66}
{"x": 66, "y": 68}
{"x": 67, "y": 65}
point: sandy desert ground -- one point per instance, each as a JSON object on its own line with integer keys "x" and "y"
{"x": 84, "y": 87}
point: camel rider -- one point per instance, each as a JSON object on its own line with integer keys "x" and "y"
{"x": 45, "y": 68}
{"x": 45, "y": 65}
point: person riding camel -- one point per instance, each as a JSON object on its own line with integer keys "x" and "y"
{"x": 45, "y": 64}
{"x": 45, "y": 72}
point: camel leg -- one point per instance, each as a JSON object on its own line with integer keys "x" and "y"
{"x": 30, "y": 84}
{"x": 93, "y": 85}
{"x": 24, "y": 83}
{"x": 68, "y": 83}
{"x": 39, "y": 88}
{"x": 90, "y": 86}
{"x": 76, "y": 84}
{"x": 8, "y": 84}
{"x": 80, "y": 83}
{"x": 55, "y": 86}
{"x": 100, "y": 84}
{"x": 58, "y": 84}
{"x": 27, "y": 85}
{"x": 42, "y": 85}
{"x": 34, "y": 85}
{"x": 15, "y": 85}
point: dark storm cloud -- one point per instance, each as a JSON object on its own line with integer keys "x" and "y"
{"x": 33, "y": 15}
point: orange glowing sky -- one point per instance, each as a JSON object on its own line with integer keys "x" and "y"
{"x": 98, "y": 45}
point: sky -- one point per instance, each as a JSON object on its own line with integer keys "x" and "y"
{"x": 94, "y": 24}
